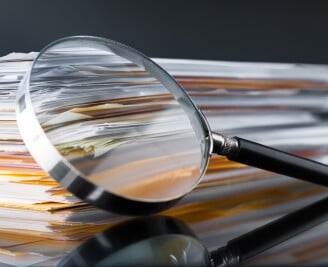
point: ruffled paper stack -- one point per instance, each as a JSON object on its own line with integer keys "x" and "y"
{"x": 280, "y": 105}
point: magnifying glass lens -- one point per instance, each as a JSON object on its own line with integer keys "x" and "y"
{"x": 104, "y": 114}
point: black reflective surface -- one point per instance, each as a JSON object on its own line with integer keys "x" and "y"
{"x": 166, "y": 241}
{"x": 148, "y": 241}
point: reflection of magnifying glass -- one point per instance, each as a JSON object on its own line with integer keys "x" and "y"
{"x": 119, "y": 132}
{"x": 150, "y": 241}
{"x": 164, "y": 241}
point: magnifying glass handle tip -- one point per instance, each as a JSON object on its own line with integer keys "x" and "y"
{"x": 270, "y": 159}
{"x": 224, "y": 145}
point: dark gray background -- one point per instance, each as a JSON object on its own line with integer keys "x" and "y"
{"x": 278, "y": 31}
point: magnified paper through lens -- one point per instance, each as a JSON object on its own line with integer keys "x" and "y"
{"x": 113, "y": 121}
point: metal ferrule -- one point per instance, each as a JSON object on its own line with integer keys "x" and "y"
{"x": 224, "y": 145}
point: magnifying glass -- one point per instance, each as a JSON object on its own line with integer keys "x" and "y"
{"x": 115, "y": 129}
{"x": 166, "y": 241}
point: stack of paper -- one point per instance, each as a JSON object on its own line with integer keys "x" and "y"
{"x": 29, "y": 198}
{"x": 279, "y": 105}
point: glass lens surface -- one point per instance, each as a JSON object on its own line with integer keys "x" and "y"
{"x": 114, "y": 121}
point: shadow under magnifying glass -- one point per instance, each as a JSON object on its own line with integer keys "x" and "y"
{"x": 166, "y": 241}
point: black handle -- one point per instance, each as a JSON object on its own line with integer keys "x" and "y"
{"x": 271, "y": 234}
{"x": 277, "y": 161}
